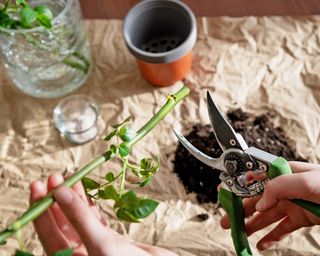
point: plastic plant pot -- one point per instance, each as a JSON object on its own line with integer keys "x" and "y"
{"x": 161, "y": 35}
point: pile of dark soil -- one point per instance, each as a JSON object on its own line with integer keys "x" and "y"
{"x": 257, "y": 131}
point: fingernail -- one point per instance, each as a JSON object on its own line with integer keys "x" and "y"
{"x": 63, "y": 196}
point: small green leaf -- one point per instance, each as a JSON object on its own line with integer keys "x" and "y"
{"x": 124, "y": 150}
{"x": 66, "y": 252}
{"x": 110, "y": 135}
{"x": 135, "y": 171}
{"x": 28, "y": 16}
{"x": 3, "y": 242}
{"x": 109, "y": 177}
{"x": 127, "y": 200}
{"x": 109, "y": 192}
{"x": 146, "y": 182}
{"x": 126, "y": 133}
{"x": 118, "y": 125}
{"x": 124, "y": 215}
{"x": 113, "y": 149}
{"x": 6, "y": 21}
{"x": 22, "y": 2}
{"x": 21, "y": 253}
{"x": 89, "y": 184}
{"x": 149, "y": 167}
{"x": 44, "y": 16}
{"x": 144, "y": 208}
{"x": 131, "y": 208}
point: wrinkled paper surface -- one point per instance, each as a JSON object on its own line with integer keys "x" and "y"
{"x": 263, "y": 65}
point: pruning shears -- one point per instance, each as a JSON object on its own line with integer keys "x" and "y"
{"x": 244, "y": 172}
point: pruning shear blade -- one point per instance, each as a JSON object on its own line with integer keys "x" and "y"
{"x": 216, "y": 163}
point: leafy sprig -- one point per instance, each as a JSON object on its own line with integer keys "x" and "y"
{"x": 19, "y": 14}
{"x": 127, "y": 205}
{"x": 131, "y": 207}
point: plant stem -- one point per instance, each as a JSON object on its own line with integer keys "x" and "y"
{"x": 43, "y": 204}
{"x": 123, "y": 175}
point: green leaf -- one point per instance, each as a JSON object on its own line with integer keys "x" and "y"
{"x": 144, "y": 208}
{"x": 22, "y": 2}
{"x": 118, "y": 125}
{"x": 66, "y": 252}
{"x": 3, "y": 242}
{"x": 124, "y": 150}
{"x": 6, "y": 21}
{"x": 109, "y": 177}
{"x": 146, "y": 182}
{"x": 130, "y": 208}
{"x": 89, "y": 184}
{"x": 110, "y": 135}
{"x": 44, "y": 16}
{"x": 124, "y": 215}
{"x": 149, "y": 167}
{"x": 21, "y": 253}
{"x": 126, "y": 133}
{"x": 109, "y": 192}
{"x": 113, "y": 149}
{"x": 127, "y": 200}
{"x": 135, "y": 171}
{"x": 28, "y": 16}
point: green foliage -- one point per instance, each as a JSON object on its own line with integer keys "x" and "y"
{"x": 124, "y": 150}
{"x": 132, "y": 208}
{"x": 109, "y": 177}
{"x": 109, "y": 192}
{"x": 127, "y": 205}
{"x": 89, "y": 184}
{"x": 66, "y": 252}
{"x": 19, "y": 14}
{"x": 44, "y": 16}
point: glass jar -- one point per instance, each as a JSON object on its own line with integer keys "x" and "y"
{"x": 47, "y": 63}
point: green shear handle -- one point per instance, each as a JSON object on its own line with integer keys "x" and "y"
{"x": 234, "y": 208}
{"x": 280, "y": 166}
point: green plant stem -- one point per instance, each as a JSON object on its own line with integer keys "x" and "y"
{"x": 42, "y": 205}
{"x": 123, "y": 175}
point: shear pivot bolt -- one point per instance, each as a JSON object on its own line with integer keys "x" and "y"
{"x": 249, "y": 165}
{"x": 231, "y": 166}
{"x": 232, "y": 142}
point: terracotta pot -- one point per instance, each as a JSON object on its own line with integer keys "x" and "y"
{"x": 161, "y": 35}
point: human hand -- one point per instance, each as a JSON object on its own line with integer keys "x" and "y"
{"x": 274, "y": 204}
{"x": 73, "y": 221}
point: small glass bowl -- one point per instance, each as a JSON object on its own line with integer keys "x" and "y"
{"x": 76, "y": 117}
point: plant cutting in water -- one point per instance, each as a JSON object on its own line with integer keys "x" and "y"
{"x": 19, "y": 14}
{"x": 128, "y": 206}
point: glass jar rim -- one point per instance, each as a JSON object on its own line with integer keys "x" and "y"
{"x": 39, "y": 28}
{"x": 58, "y": 108}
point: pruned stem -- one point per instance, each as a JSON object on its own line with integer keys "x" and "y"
{"x": 43, "y": 204}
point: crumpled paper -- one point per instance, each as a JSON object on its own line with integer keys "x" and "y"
{"x": 259, "y": 64}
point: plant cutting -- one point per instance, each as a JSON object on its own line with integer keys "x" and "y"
{"x": 128, "y": 206}
{"x": 44, "y": 46}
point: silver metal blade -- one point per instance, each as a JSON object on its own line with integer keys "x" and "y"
{"x": 215, "y": 163}
{"x": 261, "y": 155}
{"x": 225, "y": 135}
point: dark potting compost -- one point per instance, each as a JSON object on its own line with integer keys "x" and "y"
{"x": 256, "y": 131}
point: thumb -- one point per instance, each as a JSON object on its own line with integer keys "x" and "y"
{"x": 286, "y": 187}
{"x": 84, "y": 221}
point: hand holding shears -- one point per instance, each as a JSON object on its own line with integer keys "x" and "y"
{"x": 244, "y": 172}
